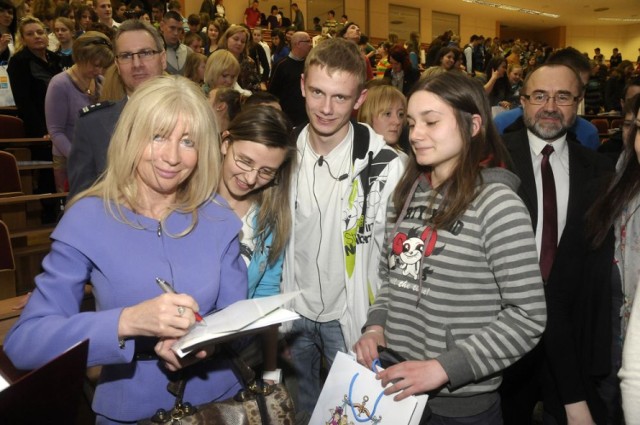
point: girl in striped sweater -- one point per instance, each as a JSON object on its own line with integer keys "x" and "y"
{"x": 461, "y": 295}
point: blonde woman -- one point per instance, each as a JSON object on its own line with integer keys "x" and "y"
{"x": 156, "y": 198}
{"x": 385, "y": 110}
{"x": 221, "y": 71}
{"x": 30, "y": 70}
{"x": 235, "y": 40}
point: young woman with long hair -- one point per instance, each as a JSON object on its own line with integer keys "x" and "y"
{"x": 258, "y": 161}
{"x": 461, "y": 296}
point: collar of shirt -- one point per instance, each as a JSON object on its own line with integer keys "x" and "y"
{"x": 536, "y": 145}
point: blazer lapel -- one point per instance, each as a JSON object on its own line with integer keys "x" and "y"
{"x": 518, "y": 146}
{"x": 578, "y": 174}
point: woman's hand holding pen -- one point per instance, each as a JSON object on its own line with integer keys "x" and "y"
{"x": 165, "y": 316}
{"x": 367, "y": 346}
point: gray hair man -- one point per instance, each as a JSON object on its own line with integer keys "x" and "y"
{"x": 140, "y": 55}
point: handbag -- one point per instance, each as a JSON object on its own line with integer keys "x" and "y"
{"x": 257, "y": 404}
{"x": 352, "y": 394}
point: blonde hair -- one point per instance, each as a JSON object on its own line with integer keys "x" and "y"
{"x": 69, "y": 23}
{"x": 154, "y": 110}
{"x": 379, "y": 99}
{"x": 230, "y": 32}
{"x": 219, "y": 62}
{"x": 112, "y": 87}
{"x": 19, "y": 44}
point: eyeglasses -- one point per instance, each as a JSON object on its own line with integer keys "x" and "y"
{"x": 143, "y": 55}
{"x": 541, "y": 98}
{"x": 264, "y": 173}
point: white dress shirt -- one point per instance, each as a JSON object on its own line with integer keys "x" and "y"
{"x": 559, "y": 162}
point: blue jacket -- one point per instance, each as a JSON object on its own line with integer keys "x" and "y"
{"x": 264, "y": 279}
{"x": 585, "y": 132}
{"x": 122, "y": 262}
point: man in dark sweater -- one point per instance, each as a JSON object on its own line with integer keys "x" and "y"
{"x": 285, "y": 79}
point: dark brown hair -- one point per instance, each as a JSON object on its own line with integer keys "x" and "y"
{"x": 466, "y": 96}
{"x": 622, "y": 189}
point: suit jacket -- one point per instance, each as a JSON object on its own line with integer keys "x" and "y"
{"x": 88, "y": 156}
{"x": 577, "y": 340}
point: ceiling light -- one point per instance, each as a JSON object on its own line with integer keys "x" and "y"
{"x": 620, "y": 19}
{"x": 512, "y": 8}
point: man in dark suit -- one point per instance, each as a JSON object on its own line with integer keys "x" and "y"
{"x": 559, "y": 181}
{"x": 140, "y": 55}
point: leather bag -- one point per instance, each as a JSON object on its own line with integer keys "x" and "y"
{"x": 257, "y": 404}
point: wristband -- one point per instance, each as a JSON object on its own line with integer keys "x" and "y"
{"x": 371, "y": 331}
{"x": 272, "y": 375}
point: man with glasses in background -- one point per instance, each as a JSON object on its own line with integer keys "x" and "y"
{"x": 140, "y": 56}
{"x": 560, "y": 179}
{"x": 285, "y": 79}
{"x": 585, "y": 132}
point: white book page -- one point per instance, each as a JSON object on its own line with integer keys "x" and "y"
{"x": 236, "y": 317}
{"x": 4, "y": 384}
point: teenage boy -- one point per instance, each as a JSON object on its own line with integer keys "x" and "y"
{"x": 339, "y": 193}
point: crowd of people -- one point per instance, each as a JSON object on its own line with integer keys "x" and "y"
{"x": 451, "y": 205}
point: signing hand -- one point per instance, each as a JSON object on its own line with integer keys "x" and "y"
{"x": 167, "y": 315}
{"x": 367, "y": 346}
{"x": 413, "y": 377}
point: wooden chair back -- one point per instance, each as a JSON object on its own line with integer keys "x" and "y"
{"x": 7, "y": 262}
{"x": 11, "y": 127}
{"x": 9, "y": 174}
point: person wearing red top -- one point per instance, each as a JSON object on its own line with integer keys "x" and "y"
{"x": 252, "y": 15}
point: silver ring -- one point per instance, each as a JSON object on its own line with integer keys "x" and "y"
{"x": 181, "y": 310}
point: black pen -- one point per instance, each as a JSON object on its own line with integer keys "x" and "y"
{"x": 167, "y": 288}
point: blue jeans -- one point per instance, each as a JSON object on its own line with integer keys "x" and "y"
{"x": 311, "y": 341}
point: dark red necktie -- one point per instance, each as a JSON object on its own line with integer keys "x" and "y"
{"x": 549, "y": 215}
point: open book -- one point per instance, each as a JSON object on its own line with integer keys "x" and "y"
{"x": 237, "y": 319}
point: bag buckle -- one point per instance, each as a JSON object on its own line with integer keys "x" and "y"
{"x": 175, "y": 415}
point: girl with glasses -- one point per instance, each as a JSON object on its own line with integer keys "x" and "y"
{"x": 259, "y": 156}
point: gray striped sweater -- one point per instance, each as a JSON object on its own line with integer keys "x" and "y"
{"x": 482, "y": 303}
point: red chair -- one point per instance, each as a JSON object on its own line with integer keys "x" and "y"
{"x": 7, "y": 264}
{"x": 601, "y": 124}
{"x": 617, "y": 123}
{"x": 11, "y": 127}
{"x": 10, "y": 184}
